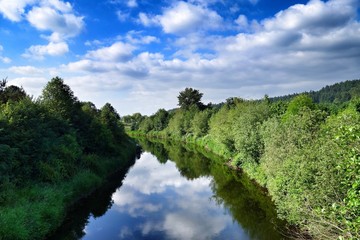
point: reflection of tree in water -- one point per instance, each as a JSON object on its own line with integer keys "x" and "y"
{"x": 96, "y": 205}
{"x": 190, "y": 164}
{"x": 156, "y": 148}
{"x": 247, "y": 203}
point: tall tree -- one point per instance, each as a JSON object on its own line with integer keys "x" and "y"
{"x": 190, "y": 97}
{"x": 59, "y": 98}
{"x": 111, "y": 119}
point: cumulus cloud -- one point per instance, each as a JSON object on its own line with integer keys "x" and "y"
{"x": 136, "y": 37}
{"x": 55, "y": 16}
{"x": 147, "y": 20}
{"x": 289, "y": 52}
{"x": 14, "y": 10}
{"x": 26, "y": 70}
{"x": 51, "y": 16}
{"x": 122, "y": 16}
{"x": 118, "y": 51}
{"x": 132, "y": 3}
{"x": 314, "y": 17}
{"x": 242, "y": 21}
{"x": 45, "y": 18}
{"x": 51, "y": 49}
{"x": 184, "y": 17}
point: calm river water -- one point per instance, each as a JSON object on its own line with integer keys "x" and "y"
{"x": 174, "y": 193}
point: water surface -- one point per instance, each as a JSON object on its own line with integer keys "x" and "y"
{"x": 175, "y": 193}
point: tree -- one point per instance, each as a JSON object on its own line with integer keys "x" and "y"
{"x": 111, "y": 119}
{"x": 13, "y": 93}
{"x": 297, "y": 104}
{"x": 190, "y": 97}
{"x": 160, "y": 119}
{"x": 59, "y": 99}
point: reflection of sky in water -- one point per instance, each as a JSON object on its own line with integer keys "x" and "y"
{"x": 156, "y": 202}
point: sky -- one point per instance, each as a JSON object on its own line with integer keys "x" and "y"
{"x": 139, "y": 54}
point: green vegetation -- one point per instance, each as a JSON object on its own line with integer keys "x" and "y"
{"x": 53, "y": 151}
{"x": 305, "y": 151}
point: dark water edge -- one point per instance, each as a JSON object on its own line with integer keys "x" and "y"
{"x": 248, "y": 205}
{"x": 96, "y": 204}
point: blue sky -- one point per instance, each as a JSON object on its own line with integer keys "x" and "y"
{"x": 139, "y": 54}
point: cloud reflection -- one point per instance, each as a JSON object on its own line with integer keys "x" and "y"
{"x": 160, "y": 200}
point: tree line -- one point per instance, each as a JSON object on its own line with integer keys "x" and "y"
{"x": 53, "y": 151}
{"x": 306, "y": 154}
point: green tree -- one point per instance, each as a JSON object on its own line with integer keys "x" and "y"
{"x": 12, "y": 93}
{"x": 146, "y": 124}
{"x": 200, "y": 123}
{"x": 190, "y": 97}
{"x": 160, "y": 120}
{"x": 59, "y": 99}
{"x": 297, "y": 104}
{"x": 111, "y": 119}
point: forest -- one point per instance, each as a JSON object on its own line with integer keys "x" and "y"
{"x": 303, "y": 148}
{"x": 54, "y": 151}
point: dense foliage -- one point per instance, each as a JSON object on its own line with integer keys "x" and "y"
{"x": 305, "y": 153}
{"x": 53, "y": 151}
{"x": 336, "y": 93}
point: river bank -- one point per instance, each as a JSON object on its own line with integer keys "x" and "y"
{"x": 37, "y": 210}
{"x": 305, "y": 154}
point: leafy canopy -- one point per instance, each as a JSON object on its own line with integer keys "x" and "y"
{"x": 190, "y": 97}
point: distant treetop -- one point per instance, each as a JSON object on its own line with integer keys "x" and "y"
{"x": 190, "y": 97}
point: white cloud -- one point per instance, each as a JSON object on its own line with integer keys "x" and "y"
{"x": 122, "y": 16}
{"x": 25, "y": 70}
{"x": 14, "y": 9}
{"x": 314, "y": 16}
{"x": 49, "y": 19}
{"x": 32, "y": 85}
{"x": 146, "y": 20}
{"x": 118, "y": 51}
{"x": 5, "y": 59}
{"x": 87, "y": 65}
{"x": 290, "y": 52}
{"x": 132, "y": 3}
{"x": 52, "y": 49}
{"x": 242, "y": 21}
{"x": 64, "y": 7}
{"x": 134, "y": 37}
{"x": 46, "y": 15}
{"x": 184, "y": 17}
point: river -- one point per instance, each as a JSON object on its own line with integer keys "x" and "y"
{"x": 174, "y": 193}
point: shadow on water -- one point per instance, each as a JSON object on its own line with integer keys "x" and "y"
{"x": 97, "y": 204}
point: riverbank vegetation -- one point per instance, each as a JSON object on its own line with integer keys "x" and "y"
{"x": 54, "y": 151}
{"x": 304, "y": 148}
